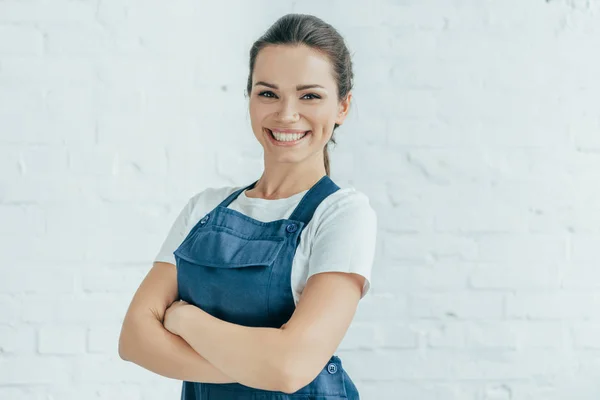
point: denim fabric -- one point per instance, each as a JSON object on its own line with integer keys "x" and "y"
{"x": 238, "y": 269}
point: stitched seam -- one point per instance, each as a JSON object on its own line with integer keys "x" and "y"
{"x": 247, "y": 237}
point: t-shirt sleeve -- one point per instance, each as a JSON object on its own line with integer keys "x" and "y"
{"x": 176, "y": 234}
{"x": 345, "y": 239}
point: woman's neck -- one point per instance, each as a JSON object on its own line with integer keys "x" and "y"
{"x": 283, "y": 187}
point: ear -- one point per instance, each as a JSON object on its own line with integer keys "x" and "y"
{"x": 343, "y": 109}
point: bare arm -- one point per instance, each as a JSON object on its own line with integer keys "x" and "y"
{"x": 251, "y": 355}
{"x": 284, "y": 359}
{"x": 145, "y": 342}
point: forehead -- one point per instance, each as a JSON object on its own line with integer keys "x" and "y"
{"x": 292, "y": 65}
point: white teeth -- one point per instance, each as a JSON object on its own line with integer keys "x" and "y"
{"x": 288, "y": 137}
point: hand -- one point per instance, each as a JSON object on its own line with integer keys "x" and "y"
{"x": 172, "y": 320}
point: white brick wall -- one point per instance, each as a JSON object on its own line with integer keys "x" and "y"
{"x": 476, "y": 129}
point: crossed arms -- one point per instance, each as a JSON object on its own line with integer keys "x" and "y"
{"x": 206, "y": 349}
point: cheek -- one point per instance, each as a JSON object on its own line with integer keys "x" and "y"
{"x": 324, "y": 115}
{"x": 258, "y": 112}
{"x": 252, "y": 108}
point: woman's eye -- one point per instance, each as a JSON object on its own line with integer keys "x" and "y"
{"x": 271, "y": 95}
{"x": 265, "y": 92}
{"x": 314, "y": 96}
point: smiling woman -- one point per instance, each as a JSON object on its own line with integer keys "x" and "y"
{"x": 300, "y": 80}
{"x": 269, "y": 274}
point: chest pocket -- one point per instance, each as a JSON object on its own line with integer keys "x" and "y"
{"x": 227, "y": 274}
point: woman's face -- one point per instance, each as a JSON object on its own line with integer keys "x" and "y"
{"x": 293, "y": 89}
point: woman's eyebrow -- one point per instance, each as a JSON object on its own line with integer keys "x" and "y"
{"x": 299, "y": 87}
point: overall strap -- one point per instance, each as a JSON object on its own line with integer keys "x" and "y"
{"x": 235, "y": 194}
{"x": 305, "y": 209}
{"x": 311, "y": 200}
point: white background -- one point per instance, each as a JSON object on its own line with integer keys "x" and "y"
{"x": 475, "y": 131}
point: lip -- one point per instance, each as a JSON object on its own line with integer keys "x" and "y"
{"x": 289, "y": 130}
{"x": 285, "y": 144}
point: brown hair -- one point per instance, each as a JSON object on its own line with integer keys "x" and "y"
{"x": 311, "y": 31}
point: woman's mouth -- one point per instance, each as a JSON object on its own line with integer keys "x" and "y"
{"x": 286, "y": 139}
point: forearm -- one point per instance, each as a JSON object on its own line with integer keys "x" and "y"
{"x": 149, "y": 345}
{"x": 252, "y": 356}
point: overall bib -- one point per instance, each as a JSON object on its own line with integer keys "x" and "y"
{"x": 238, "y": 269}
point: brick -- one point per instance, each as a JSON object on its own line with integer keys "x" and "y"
{"x": 17, "y": 339}
{"x": 462, "y": 305}
{"x": 103, "y": 339}
{"x": 32, "y": 370}
{"x": 20, "y": 40}
{"x": 62, "y": 339}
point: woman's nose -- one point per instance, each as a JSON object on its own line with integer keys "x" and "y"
{"x": 287, "y": 112}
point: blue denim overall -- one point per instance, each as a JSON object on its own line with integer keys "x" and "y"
{"x": 238, "y": 269}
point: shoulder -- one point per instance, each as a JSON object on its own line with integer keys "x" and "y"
{"x": 347, "y": 202}
{"x": 210, "y": 197}
{"x": 203, "y": 202}
{"x": 342, "y": 235}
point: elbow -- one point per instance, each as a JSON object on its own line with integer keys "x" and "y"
{"x": 289, "y": 366}
{"x": 123, "y": 350}
{"x": 291, "y": 383}
{"x": 274, "y": 377}
{"x": 291, "y": 378}
{"x": 288, "y": 384}
{"x": 298, "y": 369}
{"x": 133, "y": 338}
{"x": 126, "y": 342}
{"x": 276, "y": 374}
{"x": 291, "y": 388}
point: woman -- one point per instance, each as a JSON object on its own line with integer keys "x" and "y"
{"x": 268, "y": 275}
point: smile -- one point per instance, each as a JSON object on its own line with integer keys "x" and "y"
{"x": 286, "y": 139}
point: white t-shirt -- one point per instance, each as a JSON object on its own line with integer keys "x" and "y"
{"x": 339, "y": 237}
